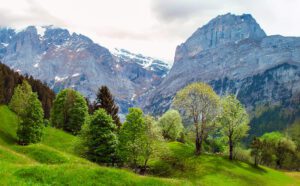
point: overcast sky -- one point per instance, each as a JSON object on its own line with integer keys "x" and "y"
{"x": 150, "y": 27}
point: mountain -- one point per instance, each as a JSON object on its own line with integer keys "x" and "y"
{"x": 234, "y": 55}
{"x": 63, "y": 59}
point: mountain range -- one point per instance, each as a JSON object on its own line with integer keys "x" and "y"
{"x": 63, "y": 59}
{"x": 231, "y": 52}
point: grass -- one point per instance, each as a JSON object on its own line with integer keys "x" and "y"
{"x": 218, "y": 170}
{"x": 53, "y": 162}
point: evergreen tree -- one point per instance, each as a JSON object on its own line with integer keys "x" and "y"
{"x": 100, "y": 139}
{"x": 69, "y": 111}
{"x": 30, "y": 129}
{"x": 106, "y": 101}
{"x": 9, "y": 80}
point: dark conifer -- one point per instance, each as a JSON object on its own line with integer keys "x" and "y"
{"x": 106, "y": 101}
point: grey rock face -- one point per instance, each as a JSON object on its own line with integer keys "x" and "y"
{"x": 234, "y": 55}
{"x": 66, "y": 60}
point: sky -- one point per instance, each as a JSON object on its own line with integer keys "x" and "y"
{"x": 149, "y": 27}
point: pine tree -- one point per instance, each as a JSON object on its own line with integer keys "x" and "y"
{"x": 100, "y": 139}
{"x": 10, "y": 79}
{"x": 106, "y": 101}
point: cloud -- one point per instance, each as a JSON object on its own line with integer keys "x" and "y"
{"x": 31, "y": 14}
{"x": 181, "y": 10}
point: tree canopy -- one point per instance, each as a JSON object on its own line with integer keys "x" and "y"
{"x": 106, "y": 101}
{"x": 200, "y": 104}
{"x": 171, "y": 125}
{"x": 69, "y": 111}
{"x": 99, "y": 138}
{"x": 26, "y": 105}
{"x": 234, "y": 121}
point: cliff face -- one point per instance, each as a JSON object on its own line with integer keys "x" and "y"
{"x": 62, "y": 60}
{"x": 234, "y": 55}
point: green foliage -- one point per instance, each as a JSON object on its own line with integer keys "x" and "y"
{"x": 31, "y": 126}
{"x": 199, "y": 104}
{"x": 139, "y": 137}
{"x": 294, "y": 132}
{"x": 53, "y": 163}
{"x": 99, "y": 138}
{"x": 106, "y": 101}
{"x": 20, "y": 99}
{"x": 171, "y": 125}
{"x": 26, "y": 105}
{"x": 151, "y": 139}
{"x": 69, "y": 111}
{"x": 256, "y": 150}
{"x": 276, "y": 150}
{"x": 9, "y": 81}
{"x": 234, "y": 121}
{"x": 131, "y": 138}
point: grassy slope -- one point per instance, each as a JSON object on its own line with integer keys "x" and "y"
{"x": 53, "y": 162}
{"x": 218, "y": 170}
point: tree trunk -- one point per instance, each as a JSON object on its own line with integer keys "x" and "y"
{"x": 230, "y": 148}
{"x": 197, "y": 141}
{"x": 200, "y": 135}
{"x": 144, "y": 168}
{"x": 256, "y": 161}
{"x": 278, "y": 164}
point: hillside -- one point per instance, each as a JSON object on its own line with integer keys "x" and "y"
{"x": 53, "y": 162}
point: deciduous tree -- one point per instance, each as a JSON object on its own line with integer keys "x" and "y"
{"x": 69, "y": 111}
{"x": 171, "y": 125}
{"x": 199, "y": 103}
{"x": 234, "y": 121}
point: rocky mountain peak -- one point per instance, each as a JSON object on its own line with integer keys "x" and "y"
{"x": 222, "y": 30}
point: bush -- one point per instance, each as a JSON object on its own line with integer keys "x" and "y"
{"x": 161, "y": 168}
{"x": 242, "y": 155}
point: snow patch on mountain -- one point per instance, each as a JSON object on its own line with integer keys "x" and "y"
{"x": 60, "y": 79}
{"x": 145, "y": 61}
{"x": 41, "y": 30}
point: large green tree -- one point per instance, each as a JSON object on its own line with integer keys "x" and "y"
{"x": 31, "y": 126}
{"x": 99, "y": 138}
{"x": 278, "y": 148}
{"x": 69, "y": 111}
{"x": 234, "y": 121}
{"x": 132, "y": 136}
{"x": 106, "y": 101}
{"x": 171, "y": 125}
{"x": 26, "y": 105}
{"x": 150, "y": 145}
{"x": 200, "y": 104}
